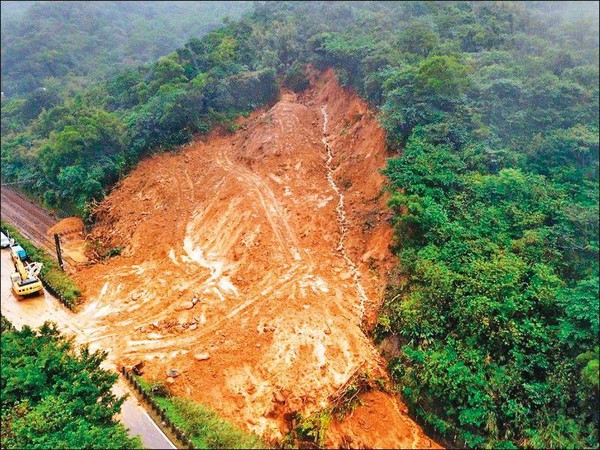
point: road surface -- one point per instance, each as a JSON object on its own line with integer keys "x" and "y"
{"x": 35, "y": 311}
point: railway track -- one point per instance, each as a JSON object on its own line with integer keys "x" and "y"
{"x": 32, "y": 221}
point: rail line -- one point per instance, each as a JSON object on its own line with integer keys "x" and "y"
{"x": 31, "y": 221}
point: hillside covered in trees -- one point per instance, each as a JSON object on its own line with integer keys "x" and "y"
{"x": 493, "y": 111}
{"x": 61, "y": 46}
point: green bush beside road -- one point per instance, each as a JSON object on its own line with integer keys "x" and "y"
{"x": 203, "y": 427}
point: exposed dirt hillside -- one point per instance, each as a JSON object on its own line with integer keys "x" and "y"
{"x": 249, "y": 263}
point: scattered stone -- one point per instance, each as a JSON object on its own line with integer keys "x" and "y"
{"x": 251, "y": 389}
{"x": 185, "y": 305}
{"x": 279, "y": 396}
{"x": 240, "y": 401}
{"x": 137, "y": 369}
{"x": 182, "y": 322}
{"x": 193, "y": 326}
{"x": 170, "y": 380}
{"x": 173, "y": 373}
{"x": 327, "y": 331}
{"x": 258, "y": 345}
{"x": 201, "y": 356}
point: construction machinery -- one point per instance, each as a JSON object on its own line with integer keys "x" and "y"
{"x": 25, "y": 280}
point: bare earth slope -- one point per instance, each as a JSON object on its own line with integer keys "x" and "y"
{"x": 264, "y": 251}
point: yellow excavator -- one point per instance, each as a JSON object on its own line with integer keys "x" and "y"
{"x": 25, "y": 280}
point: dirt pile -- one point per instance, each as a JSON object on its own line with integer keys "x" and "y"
{"x": 241, "y": 270}
{"x": 72, "y": 240}
{"x": 66, "y": 226}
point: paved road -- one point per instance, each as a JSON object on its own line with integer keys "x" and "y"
{"x": 35, "y": 311}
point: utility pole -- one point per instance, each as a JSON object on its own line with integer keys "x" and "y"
{"x": 58, "y": 251}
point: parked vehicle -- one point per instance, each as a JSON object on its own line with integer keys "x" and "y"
{"x": 5, "y": 241}
{"x": 19, "y": 251}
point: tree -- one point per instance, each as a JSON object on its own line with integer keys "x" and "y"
{"x": 442, "y": 76}
{"x": 419, "y": 39}
{"x": 54, "y": 396}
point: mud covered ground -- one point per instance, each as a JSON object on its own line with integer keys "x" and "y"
{"x": 251, "y": 262}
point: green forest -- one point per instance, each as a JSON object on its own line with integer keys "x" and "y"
{"x": 65, "y": 45}
{"x": 54, "y": 396}
{"x": 492, "y": 111}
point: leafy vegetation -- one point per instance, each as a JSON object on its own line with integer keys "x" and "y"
{"x": 493, "y": 108}
{"x": 51, "y": 271}
{"x": 60, "y": 46}
{"x": 496, "y": 200}
{"x": 204, "y": 427}
{"x": 68, "y": 150}
{"x": 310, "y": 431}
{"x": 54, "y": 396}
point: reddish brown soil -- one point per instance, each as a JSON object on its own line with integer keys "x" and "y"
{"x": 67, "y": 225}
{"x": 232, "y": 252}
{"x": 378, "y": 422}
{"x": 72, "y": 241}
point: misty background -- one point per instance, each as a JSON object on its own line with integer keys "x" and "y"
{"x": 65, "y": 44}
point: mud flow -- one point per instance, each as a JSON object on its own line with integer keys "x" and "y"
{"x": 251, "y": 262}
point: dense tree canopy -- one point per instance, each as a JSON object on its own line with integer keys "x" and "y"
{"x": 493, "y": 109}
{"x": 63, "y": 44}
{"x": 54, "y": 396}
{"x": 70, "y": 149}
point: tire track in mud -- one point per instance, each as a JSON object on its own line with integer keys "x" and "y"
{"x": 276, "y": 217}
{"x": 342, "y": 220}
{"x": 172, "y": 339}
{"x": 190, "y": 183}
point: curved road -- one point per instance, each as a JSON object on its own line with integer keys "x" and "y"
{"x": 35, "y": 311}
